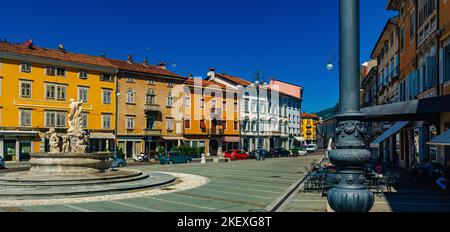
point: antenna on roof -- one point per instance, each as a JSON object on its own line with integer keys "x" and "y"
{"x": 103, "y": 55}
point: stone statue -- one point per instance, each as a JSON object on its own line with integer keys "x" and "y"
{"x": 65, "y": 144}
{"x": 76, "y": 108}
{"x": 81, "y": 144}
{"x": 54, "y": 141}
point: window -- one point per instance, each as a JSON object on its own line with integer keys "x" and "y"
{"x": 25, "y": 89}
{"x": 83, "y": 74}
{"x": 151, "y": 122}
{"x": 151, "y": 82}
{"x": 187, "y": 122}
{"x": 106, "y": 77}
{"x": 25, "y": 67}
{"x": 55, "y": 92}
{"x": 106, "y": 121}
{"x": 224, "y": 106}
{"x": 402, "y": 38}
{"x": 447, "y": 64}
{"x": 130, "y": 96}
{"x": 50, "y": 71}
{"x": 224, "y": 125}
{"x": 169, "y": 124}
{"x": 254, "y": 107}
{"x": 150, "y": 97}
{"x": 262, "y": 106}
{"x": 25, "y": 118}
{"x": 130, "y": 80}
{"x": 247, "y": 106}
{"x": 187, "y": 102}
{"x": 170, "y": 100}
{"x": 84, "y": 120}
{"x": 55, "y": 119}
{"x": 106, "y": 96}
{"x": 170, "y": 84}
{"x": 61, "y": 72}
{"x": 130, "y": 122}
{"x": 235, "y": 125}
{"x": 412, "y": 25}
{"x": 1, "y": 78}
{"x": 83, "y": 94}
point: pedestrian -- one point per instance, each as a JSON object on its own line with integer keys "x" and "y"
{"x": 444, "y": 181}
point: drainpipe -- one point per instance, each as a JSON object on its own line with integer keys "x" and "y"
{"x": 116, "y": 142}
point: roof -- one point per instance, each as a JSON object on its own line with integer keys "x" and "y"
{"x": 205, "y": 83}
{"x": 56, "y": 54}
{"x": 391, "y": 21}
{"x": 286, "y": 88}
{"x": 138, "y": 67}
{"x": 236, "y": 80}
{"x": 312, "y": 116}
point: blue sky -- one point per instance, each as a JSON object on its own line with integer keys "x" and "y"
{"x": 289, "y": 40}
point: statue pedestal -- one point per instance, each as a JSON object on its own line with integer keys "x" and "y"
{"x": 70, "y": 163}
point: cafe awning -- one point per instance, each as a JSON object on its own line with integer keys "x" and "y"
{"x": 16, "y": 133}
{"x": 102, "y": 136}
{"x": 441, "y": 140}
{"x": 231, "y": 139}
{"x": 300, "y": 139}
{"x": 392, "y": 131}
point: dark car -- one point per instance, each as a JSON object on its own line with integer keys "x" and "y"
{"x": 257, "y": 153}
{"x": 279, "y": 152}
{"x": 2, "y": 163}
{"x": 174, "y": 157}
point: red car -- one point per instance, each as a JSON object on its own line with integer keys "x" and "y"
{"x": 236, "y": 155}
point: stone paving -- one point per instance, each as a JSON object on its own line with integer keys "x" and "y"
{"x": 240, "y": 186}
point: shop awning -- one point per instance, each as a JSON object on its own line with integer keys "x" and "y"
{"x": 392, "y": 131}
{"x": 441, "y": 140}
{"x": 232, "y": 139}
{"x": 300, "y": 139}
{"x": 16, "y": 133}
{"x": 102, "y": 136}
{"x": 174, "y": 138}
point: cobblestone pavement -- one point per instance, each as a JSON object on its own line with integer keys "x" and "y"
{"x": 240, "y": 186}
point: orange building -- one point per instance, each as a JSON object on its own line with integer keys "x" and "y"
{"x": 145, "y": 103}
{"x": 210, "y": 116}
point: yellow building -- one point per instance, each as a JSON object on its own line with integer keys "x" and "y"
{"x": 309, "y": 122}
{"x": 210, "y": 116}
{"x": 36, "y": 85}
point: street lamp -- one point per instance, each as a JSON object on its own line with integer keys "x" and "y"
{"x": 350, "y": 194}
{"x": 258, "y": 144}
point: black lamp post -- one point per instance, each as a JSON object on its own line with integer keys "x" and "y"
{"x": 350, "y": 194}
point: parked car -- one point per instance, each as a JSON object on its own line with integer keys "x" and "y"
{"x": 2, "y": 163}
{"x": 174, "y": 157}
{"x": 256, "y": 153}
{"x": 279, "y": 152}
{"x": 236, "y": 155}
{"x": 298, "y": 152}
{"x": 311, "y": 148}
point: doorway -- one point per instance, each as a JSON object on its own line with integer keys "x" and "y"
{"x": 129, "y": 152}
{"x": 9, "y": 148}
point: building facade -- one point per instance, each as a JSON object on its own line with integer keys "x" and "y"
{"x": 309, "y": 127}
{"x": 37, "y": 85}
{"x": 145, "y": 102}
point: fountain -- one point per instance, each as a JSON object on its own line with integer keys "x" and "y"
{"x": 69, "y": 169}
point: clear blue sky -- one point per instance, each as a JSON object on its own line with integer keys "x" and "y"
{"x": 290, "y": 40}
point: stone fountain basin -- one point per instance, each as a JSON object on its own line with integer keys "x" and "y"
{"x": 70, "y": 163}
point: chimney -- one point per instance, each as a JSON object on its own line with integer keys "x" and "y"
{"x": 212, "y": 73}
{"x": 162, "y": 65}
{"x": 61, "y": 47}
{"x": 145, "y": 61}
{"x": 190, "y": 75}
{"x": 103, "y": 55}
{"x": 130, "y": 59}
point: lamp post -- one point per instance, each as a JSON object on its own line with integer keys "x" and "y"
{"x": 258, "y": 144}
{"x": 349, "y": 195}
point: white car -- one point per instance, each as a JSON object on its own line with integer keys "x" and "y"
{"x": 311, "y": 148}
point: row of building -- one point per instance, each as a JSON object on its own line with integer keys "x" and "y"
{"x": 137, "y": 106}
{"x": 405, "y": 88}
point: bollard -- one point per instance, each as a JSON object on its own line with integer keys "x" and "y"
{"x": 203, "y": 159}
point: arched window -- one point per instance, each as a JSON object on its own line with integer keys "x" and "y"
{"x": 150, "y": 97}
{"x": 131, "y": 96}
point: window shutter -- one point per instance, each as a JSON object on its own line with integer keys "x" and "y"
{"x": 441, "y": 65}
{"x": 431, "y": 72}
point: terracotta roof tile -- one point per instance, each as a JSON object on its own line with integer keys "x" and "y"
{"x": 234, "y": 79}
{"x": 205, "y": 83}
{"x": 138, "y": 67}
{"x": 55, "y": 54}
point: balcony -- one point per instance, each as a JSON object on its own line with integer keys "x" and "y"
{"x": 215, "y": 131}
{"x": 308, "y": 132}
{"x": 152, "y": 132}
{"x": 152, "y": 108}
{"x": 308, "y": 126}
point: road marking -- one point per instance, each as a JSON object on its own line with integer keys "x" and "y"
{"x": 78, "y": 208}
{"x": 182, "y": 203}
{"x": 134, "y": 206}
